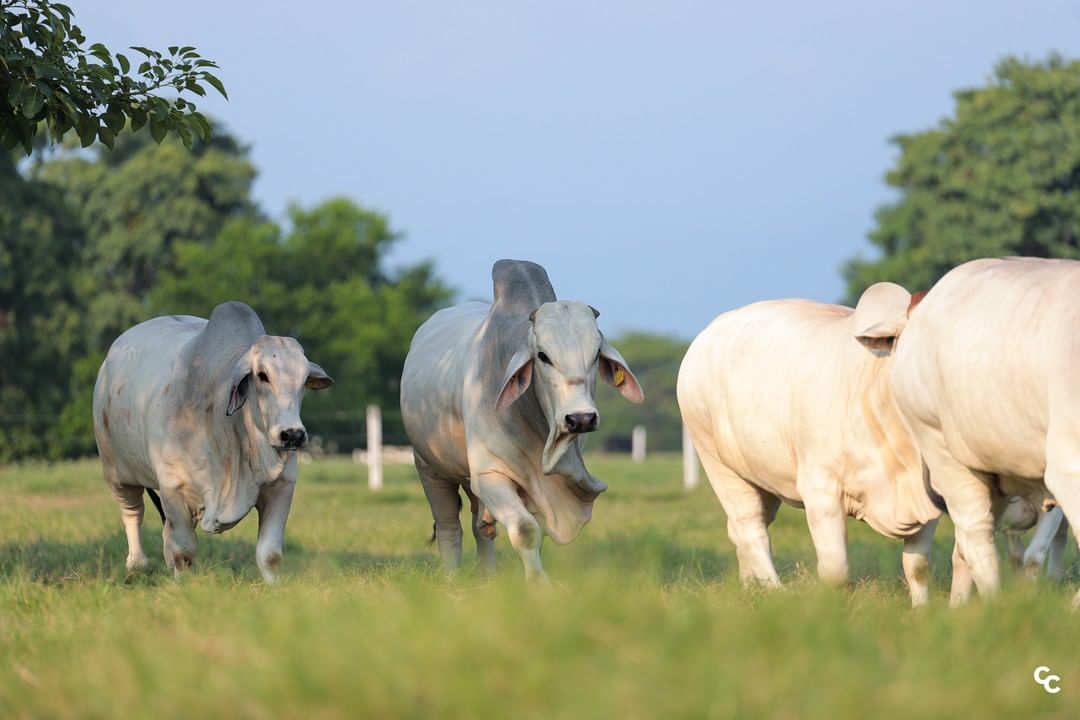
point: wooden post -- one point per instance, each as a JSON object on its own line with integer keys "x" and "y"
{"x": 374, "y": 447}
{"x": 689, "y": 461}
{"x": 637, "y": 444}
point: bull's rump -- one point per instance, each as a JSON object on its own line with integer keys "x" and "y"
{"x": 432, "y": 383}
{"x": 989, "y": 359}
{"x": 758, "y": 387}
{"x": 130, "y": 395}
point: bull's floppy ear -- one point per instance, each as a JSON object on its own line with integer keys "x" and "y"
{"x": 616, "y": 372}
{"x": 317, "y": 378}
{"x": 880, "y": 316}
{"x": 239, "y": 384}
{"x": 518, "y": 377}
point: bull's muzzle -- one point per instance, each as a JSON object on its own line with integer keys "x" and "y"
{"x": 582, "y": 422}
{"x": 293, "y": 438}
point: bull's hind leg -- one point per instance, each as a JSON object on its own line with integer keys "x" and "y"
{"x": 445, "y": 500}
{"x": 483, "y": 528}
{"x": 130, "y": 498}
{"x": 1057, "y": 548}
{"x": 749, "y": 512}
{"x": 1042, "y": 542}
{"x": 972, "y": 506}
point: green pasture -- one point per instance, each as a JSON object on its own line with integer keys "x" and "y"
{"x": 646, "y": 618}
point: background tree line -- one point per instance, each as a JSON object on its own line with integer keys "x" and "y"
{"x": 94, "y": 241}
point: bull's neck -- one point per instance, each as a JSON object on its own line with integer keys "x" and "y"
{"x": 891, "y": 434}
{"x": 257, "y": 455}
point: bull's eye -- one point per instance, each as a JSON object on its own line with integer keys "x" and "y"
{"x": 263, "y": 377}
{"x": 544, "y": 358}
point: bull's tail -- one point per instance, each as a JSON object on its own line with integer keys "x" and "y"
{"x": 935, "y": 497}
{"x": 431, "y": 540}
{"x": 157, "y": 503}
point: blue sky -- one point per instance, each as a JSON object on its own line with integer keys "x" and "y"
{"x": 666, "y": 161}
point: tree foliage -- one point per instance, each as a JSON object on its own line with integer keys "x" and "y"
{"x": 999, "y": 177}
{"x": 324, "y": 282}
{"x": 92, "y": 244}
{"x": 655, "y": 361}
{"x": 50, "y": 78}
{"x": 40, "y": 313}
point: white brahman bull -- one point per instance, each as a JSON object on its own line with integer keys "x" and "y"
{"x": 789, "y": 401}
{"x": 494, "y": 399}
{"x": 171, "y": 414}
{"x": 987, "y": 378}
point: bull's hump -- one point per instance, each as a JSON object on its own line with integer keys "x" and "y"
{"x": 235, "y": 314}
{"x": 520, "y": 285}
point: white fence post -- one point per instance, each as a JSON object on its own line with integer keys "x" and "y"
{"x": 637, "y": 444}
{"x": 689, "y": 461}
{"x": 374, "y": 447}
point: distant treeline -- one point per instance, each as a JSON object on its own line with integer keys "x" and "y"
{"x": 93, "y": 242}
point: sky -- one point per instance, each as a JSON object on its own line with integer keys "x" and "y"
{"x": 665, "y": 161}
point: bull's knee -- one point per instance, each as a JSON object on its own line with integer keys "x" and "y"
{"x": 524, "y": 533}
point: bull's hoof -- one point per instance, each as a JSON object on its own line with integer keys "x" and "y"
{"x": 136, "y": 563}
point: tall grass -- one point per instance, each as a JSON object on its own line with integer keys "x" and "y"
{"x": 646, "y": 618}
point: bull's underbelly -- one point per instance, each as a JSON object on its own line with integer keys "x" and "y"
{"x": 1019, "y": 450}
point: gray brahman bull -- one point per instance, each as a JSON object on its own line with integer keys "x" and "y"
{"x": 172, "y": 414}
{"x": 494, "y": 399}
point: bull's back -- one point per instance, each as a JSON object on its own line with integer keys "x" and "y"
{"x": 754, "y": 384}
{"x": 432, "y": 383}
{"x": 989, "y": 356}
{"x": 132, "y": 388}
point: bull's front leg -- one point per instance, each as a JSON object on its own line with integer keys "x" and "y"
{"x": 179, "y": 542}
{"x": 916, "y": 562}
{"x": 273, "y": 504}
{"x": 499, "y": 494}
{"x": 827, "y": 519}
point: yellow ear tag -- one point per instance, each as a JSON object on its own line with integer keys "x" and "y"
{"x": 619, "y": 376}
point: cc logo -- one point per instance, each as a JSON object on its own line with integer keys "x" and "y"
{"x": 1049, "y": 682}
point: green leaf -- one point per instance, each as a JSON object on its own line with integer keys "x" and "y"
{"x": 125, "y": 65}
{"x": 106, "y": 136}
{"x": 32, "y": 102}
{"x": 87, "y": 128}
{"x": 145, "y": 51}
{"x": 185, "y": 135}
{"x": 158, "y": 130}
{"x": 138, "y": 118}
{"x": 14, "y": 91}
{"x": 114, "y": 119}
{"x": 216, "y": 83}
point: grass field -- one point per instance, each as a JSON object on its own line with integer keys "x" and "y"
{"x": 646, "y": 619}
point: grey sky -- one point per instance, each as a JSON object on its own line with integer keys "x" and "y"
{"x": 665, "y": 161}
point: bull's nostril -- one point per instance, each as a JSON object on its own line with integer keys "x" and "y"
{"x": 293, "y": 437}
{"x": 581, "y": 422}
